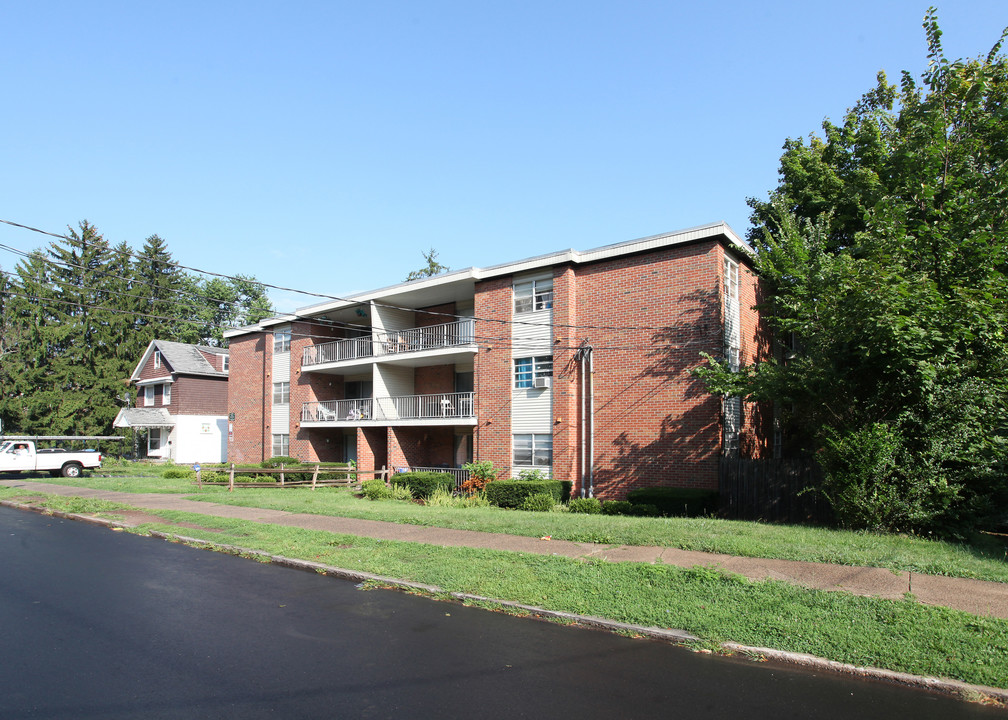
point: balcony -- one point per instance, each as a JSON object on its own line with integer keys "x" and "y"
{"x": 403, "y": 346}
{"x": 436, "y": 409}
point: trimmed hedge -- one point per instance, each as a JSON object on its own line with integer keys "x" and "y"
{"x": 588, "y": 506}
{"x": 617, "y": 507}
{"x": 512, "y": 493}
{"x": 422, "y": 484}
{"x": 688, "y": 502}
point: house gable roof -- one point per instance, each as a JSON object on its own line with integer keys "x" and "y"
{"x": 181, "y": 358}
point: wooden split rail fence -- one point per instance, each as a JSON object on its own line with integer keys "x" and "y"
{"x": 349, "y": 476}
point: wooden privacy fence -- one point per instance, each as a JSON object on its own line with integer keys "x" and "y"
{"x": 349, "y": 476}
{"x": 772, "y": 490}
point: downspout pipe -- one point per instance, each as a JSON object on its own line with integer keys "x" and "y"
{"x": 584, "y": 422}
{"x": 591, "y": 422}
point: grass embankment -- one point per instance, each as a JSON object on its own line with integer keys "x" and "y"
{"x": 716, "y": 607}
{"x": 985, "y": 559}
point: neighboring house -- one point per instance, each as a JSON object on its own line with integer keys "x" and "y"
{"x": 574, "y": 363}
{"x": 181, "y": 401}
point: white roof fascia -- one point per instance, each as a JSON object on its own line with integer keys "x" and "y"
{"x": 155, "y": 381}
{"x": 143, "y": 361}
{"x": 652, "y": 242}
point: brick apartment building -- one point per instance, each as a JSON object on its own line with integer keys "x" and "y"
{"x": 181, "y": 402}
{"x": 576, "y": 363}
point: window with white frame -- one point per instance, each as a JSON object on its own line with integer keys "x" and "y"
{"x": 148, "y": 395}
{"x": 281, "y": 340}
{"x": 281, "y": 445}
{"x": 166, "y": 394}
{"x": 534, "y": 450}
{"x": 533, "y": 295}
{"x": 732, "y": 424}
{"x": 153, "y": 440}
{"x": 224, "y": 362}
{"x": 281, "y": 393}
{"x": 732, "y": 320}
{"x": 157, "y": 358}
{"x": 526, "y": 370}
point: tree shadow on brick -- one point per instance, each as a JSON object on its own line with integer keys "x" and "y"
{"x": 683, "y": 449}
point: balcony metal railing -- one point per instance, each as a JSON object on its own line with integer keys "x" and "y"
{"x": 431, "y": 337}
{"x": 460, "y": 474}
{"x": 404, "y": 407}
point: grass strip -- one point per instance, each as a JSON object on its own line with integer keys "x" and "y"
{"x": 985, "y": 559}
{"x": 716, "y": 606}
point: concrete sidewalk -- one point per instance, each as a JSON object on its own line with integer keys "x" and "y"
{"x": 974, "y": 596}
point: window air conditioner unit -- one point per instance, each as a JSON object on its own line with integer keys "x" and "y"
{"x": 541, "y": 382}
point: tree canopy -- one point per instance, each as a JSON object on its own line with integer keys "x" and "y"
{"x": 77, "y": 316}
{"x": 432, "y": 268}
{"x": 883, "y": 252}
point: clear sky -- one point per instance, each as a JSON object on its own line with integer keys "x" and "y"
{"x": 323, "y": 145}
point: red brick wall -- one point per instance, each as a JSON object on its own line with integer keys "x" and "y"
{"x": 566, "y": 380}
{"x": 654, "y": 423}
{"x": 192, "y": 395}
{"x": 251, "y": 356}
{"x": 434, "y": 379}
{"x": 492, "y": 373}
{"x": 434, "y": 315}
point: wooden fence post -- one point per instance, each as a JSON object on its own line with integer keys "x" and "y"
{"x": 314, "y": 476}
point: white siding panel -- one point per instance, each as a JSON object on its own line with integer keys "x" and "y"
{"x": 386, "y": 318}
{"x": 393, "y": 380}
{"x": 280, "y": 420}
{"x": 281, "y": 367}
{"x": 533, "y": 334}
{"x": 531, "y": 411}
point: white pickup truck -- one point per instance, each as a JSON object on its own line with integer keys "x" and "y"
{"x": 21, "y": 456}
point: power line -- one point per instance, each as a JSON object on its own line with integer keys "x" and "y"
{"x": 569, "y": 326}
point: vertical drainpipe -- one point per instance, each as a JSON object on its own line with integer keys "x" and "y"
{"x": 584, "y": 423}
{"x": 591, "y": 422}
{"x": 262, "y": 404}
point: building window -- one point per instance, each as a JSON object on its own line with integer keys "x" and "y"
{"x": 533, "y": 296}
{"x": 148, "y": 395}
{"x": 526, "y": 370}
{"x": 281, "y": 341}
{"x": 533, "y": 450}
{"x": 166, "y": 394}
{"x": 224, "y": 362}
{"x": 157, "y": 358}
{"x": 732, "y": 320}
{"x": 281, "y": 445}
{"x": 732, "y": 424}
{"x": 281, "y": 393}
{"x": 153, "y": 440}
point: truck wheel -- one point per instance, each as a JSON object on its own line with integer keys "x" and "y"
{"x": 72, "y": 470}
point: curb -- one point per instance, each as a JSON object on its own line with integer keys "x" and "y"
{"x": 945, "y": 686}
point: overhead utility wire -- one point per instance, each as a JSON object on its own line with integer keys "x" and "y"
{"x": 613, "y": 328}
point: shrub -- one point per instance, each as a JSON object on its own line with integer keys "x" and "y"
{"x": 616, "y": 507}
{"x": 213, "y": 476}
{"x": 538, "y": 502}
{"x": 688, "y": 502}
{"x": 480, "y": 474}
{"x": 511, "y": 493}
{"x": 178, "y": 472}
{"x": 422, "y": 484}
{"x": 275, "y": 462}
{"x": 441, "y": 498}
{"x": 587, "y": 506}
{"x": 401, "y": 492}
{"x": 376, "y": 489}
{"x": 644, "y": 510}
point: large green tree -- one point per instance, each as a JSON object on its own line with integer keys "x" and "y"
{"x": 77, "y": 316}
{"x": 884, "y": 252}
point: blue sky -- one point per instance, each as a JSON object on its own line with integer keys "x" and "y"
{"x": 323, "y": 145}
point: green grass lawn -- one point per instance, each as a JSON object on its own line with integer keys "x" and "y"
{"x": 986, "y": 558}
{"x": 715, "y": 606}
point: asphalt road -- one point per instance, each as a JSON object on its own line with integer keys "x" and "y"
{"x": 103, "y": 624}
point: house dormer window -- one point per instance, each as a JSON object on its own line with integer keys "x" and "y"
{"x": 148, "y": 395}
{"x": 157, "y": 358}
{"x": 224, "y": 362}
